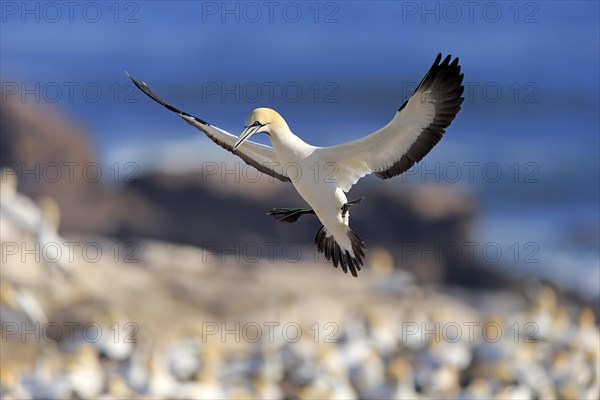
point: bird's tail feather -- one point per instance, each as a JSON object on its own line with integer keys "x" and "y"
{"x": 333, "y": 251}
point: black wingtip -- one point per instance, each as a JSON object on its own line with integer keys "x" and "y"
{"x": 446, "y": 81}
{"x": 439, "y": 63}
{"x": 140, "y": 85}
{"x": 148, "y": 92}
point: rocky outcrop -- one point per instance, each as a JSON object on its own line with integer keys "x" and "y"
{"x": 52, "y": 156}
{"x": 420, "y": 226}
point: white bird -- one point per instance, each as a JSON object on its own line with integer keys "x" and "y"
{"x": 417, "y": 126}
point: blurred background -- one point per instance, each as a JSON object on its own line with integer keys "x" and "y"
{"x": 137, "y": 259}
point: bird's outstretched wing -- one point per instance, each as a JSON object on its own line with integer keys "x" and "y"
{"x": 417, "y": 126}
{"x": 261, "y": 157}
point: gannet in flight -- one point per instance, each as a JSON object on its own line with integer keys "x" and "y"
{"x": 417, "y": 126}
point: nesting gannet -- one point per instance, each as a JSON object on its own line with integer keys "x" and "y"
{"x": 417, "y": 126}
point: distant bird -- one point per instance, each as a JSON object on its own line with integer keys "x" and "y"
{"x": 322, "y": 175}
{"x": 21, "y": 216}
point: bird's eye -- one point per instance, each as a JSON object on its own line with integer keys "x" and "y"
{"x": 255, "y": 123}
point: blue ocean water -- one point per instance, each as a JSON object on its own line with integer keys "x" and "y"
{"x": 338, "y": 70}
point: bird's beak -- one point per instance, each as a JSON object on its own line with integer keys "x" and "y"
{"x": 249, "y": 131}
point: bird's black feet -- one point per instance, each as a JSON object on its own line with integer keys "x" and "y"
{"x": 346, "y": 207}
{"x": 289, "y": 214}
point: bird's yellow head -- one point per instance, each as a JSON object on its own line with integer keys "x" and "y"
{"x": 261, "y": 120}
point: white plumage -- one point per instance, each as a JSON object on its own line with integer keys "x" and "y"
{"x": 322, "y": 175}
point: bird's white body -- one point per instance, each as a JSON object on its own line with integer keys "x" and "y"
{"x": 312, "y": 177}
{"x": 322, "y": 175}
